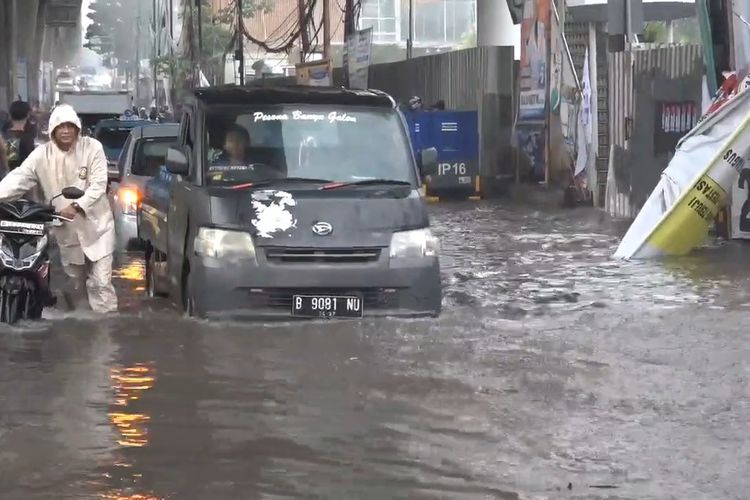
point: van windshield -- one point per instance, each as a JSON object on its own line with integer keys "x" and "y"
{"x": 113, "y": 140}
{"x": 150, "y": 155}
{"x": 338, "y": 144}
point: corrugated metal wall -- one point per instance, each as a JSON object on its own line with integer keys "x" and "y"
{"x": 638, "y": 81}
{"x": 481, "y": 79}
{"x": 620, "y": 96}
{"x": 460, "y": 78}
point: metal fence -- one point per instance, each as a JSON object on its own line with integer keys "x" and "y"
{"x": 641, "y": 83}
{"x": 481, "y": 79}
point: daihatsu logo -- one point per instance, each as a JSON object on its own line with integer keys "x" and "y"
{"x": 322, "y": 228}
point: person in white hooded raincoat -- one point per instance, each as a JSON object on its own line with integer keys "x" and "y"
{"x": 87, "y": 243}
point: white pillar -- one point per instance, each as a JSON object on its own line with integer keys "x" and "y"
{"x": 495, "y": 26}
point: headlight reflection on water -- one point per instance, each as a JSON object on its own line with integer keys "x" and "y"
{"x": 129, "y": 384}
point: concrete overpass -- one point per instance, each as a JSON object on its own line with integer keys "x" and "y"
{"x": 35, "y": 30}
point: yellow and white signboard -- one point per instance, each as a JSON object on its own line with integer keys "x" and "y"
{"x": 740, "y": 211}
{"x": 315, "y": 74}
{"x": 694, "y": 186}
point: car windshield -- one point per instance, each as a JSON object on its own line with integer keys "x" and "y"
{"x": 150, "y": 155}
{"x": 113, "y": 139}
{"x": 335, "y": 143}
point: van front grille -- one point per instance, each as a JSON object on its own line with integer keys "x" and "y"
{"x": 289, "y": 255}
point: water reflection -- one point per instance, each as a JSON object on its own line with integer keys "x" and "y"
{"x": 128, "y": 384}
{"x": 131, "y": 269}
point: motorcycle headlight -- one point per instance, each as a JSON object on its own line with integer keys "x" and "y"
{"x": 416, "y": 243}
{"x": 224, "y": 244}
{"x": 28, "y": 255}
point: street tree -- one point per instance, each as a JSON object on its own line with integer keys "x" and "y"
{"x": 113, "y": 29}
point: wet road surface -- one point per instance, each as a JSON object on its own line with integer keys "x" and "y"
{"x": 554, "y": 372}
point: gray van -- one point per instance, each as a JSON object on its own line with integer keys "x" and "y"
{"x": 291, "y": 202}
{"x": 144, "y": 152}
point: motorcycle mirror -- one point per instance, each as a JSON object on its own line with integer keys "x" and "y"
{"x": 72, "y": 193}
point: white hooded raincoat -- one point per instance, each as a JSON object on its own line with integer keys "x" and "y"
{"x": 91, "y": 236}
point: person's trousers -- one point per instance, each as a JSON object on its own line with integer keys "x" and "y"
{"x": 98, "y": 280}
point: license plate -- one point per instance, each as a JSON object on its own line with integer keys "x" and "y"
{"x": 326, "y": 306}
{"x": 30, "y": 228}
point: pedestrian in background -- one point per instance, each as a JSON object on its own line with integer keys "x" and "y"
{"x": 19, "y": 136}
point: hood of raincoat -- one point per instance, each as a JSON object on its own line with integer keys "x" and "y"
{"x": 64, "y": 113}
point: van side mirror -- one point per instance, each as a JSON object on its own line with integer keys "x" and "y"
{"x": 429, "y": 160}
{"x": 177, "y": 162}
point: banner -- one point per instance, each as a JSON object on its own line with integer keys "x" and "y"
{"x": 556, "y": 63}
{"x": 314, "y": 74}
{"x": 533, "y": 74}
{"x": 740, "y": 216}
{"x": 359, "y": 47}
{"x": 695, "y": 186}
{"x": 585, "y": 124}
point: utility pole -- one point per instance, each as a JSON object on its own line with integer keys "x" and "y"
{"x": 303, "y": 29}
{"x": 348, "y": 32}
{"x": 410, "y": 40}
{"x": 326, "y": 30}
{"x": 241, "y": 40}
{"x": 200, "y": 32}
{"x": 153, "y": 61}
{"x": 138, "y": 53}
{"x": 171, "y": 54}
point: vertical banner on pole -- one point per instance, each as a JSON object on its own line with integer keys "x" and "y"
{"x": 532, "y": 129}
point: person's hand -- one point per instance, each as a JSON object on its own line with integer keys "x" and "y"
{"x": 69, "y": 212}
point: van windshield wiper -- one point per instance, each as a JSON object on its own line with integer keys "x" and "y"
{"x": 268, "y": 182}
{"x": 364, "y": 182}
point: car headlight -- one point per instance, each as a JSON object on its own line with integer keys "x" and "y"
{"x": 416, "y": 243}
{"x": 224, "y": 244}
{"x": 129, "y": 199}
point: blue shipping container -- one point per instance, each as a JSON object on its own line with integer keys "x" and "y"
{"x": 455, "y": 135}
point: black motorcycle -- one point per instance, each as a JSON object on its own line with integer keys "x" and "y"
{"x": 24, "y": 257}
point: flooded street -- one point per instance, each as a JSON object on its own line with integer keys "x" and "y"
{"x": 554, "y": 372}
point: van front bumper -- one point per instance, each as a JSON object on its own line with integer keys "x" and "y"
{"x": 407, "y": 288}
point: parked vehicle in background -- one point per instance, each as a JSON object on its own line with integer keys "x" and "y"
{"x": 65, "y": 81}
{"x": 298, "y": 202}
{"x": 144, "y": 152}
{"x": 113, "y": 133}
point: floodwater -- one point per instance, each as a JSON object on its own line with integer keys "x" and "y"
{"x": 554, "y": 372}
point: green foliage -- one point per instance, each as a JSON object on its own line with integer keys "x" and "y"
{"x": 114, "y": 26}
{"x": 469, "y": 39}
{"x": 684, "y": 31}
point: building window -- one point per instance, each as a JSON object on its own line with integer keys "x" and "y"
{"x": 441, "y": 22}
{"x": 382, "y": 17}
{"x": 436, "y": 22}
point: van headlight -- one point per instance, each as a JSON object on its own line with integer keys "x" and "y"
{"x": 416, "y": 243}
{"x": 224, "y": 244}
